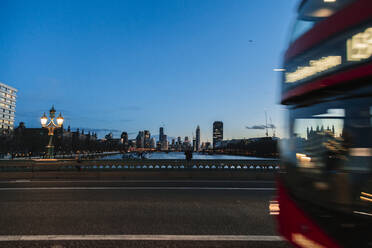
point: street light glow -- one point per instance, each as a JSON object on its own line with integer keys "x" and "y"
{"x": 51, "y": 126}
{"x": 43, "y": 120}
{"x": 60, "y": 120}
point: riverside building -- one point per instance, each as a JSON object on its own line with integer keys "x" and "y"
{"x": 7, "y": 106}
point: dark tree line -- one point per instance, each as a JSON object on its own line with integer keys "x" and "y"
{"x": 24, "y": 141}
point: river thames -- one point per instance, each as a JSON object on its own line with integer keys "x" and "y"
{"x": 181, "y": 155}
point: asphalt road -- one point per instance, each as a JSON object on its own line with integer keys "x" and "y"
{"x": 137, "y": 214}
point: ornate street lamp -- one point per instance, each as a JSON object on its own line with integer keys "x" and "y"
{"x": 51, "y": 126}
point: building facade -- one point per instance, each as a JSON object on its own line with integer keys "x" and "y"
{"x": 217, "y": 132}
{"x": 147, "y": 137}
{"x": 8, "y": 97}
{"x": 164, "y": 143}
{"x": 153, "y": 142}
{"x": 140, "y": 140}
{"x": 124, "y": 138}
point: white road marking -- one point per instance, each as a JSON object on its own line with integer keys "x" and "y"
{"x": 142, "y": 237}
{"x": 135, "y": 188}
{"x": 363, "y": 213}
{"x": 135, "y": 181}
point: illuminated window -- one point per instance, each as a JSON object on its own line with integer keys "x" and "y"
{"x": 314, "y": 67}
{"x": 330, "y": 135}
{"x": 359, "y": 46}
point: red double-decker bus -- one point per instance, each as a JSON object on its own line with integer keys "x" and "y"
{"x": 325, "y": 184}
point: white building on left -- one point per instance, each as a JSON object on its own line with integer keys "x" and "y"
{"x": 8, "y": 96}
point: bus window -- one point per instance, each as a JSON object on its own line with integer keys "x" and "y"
{"x": 319, "y": 136}
{"x": 332, "y": 135}
{"x": 312, "y": 12}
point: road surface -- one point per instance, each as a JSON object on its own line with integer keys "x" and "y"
{"x": 137, "y": 214}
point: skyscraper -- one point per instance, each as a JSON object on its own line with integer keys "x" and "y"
{"x": 161, "y": 134}
{"x": 152, "y": 143}
{"x": 7, "y": 106}
{"x": 140, "y": 139}
{"x": 164, "y": 143}
{"x": 197, "y": 140}
{"x": 217, "y": 132}
{"x": 178, "y": 143}
{"x": 146, "y": 138}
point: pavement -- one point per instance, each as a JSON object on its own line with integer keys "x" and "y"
{"x": 137, "y": 213}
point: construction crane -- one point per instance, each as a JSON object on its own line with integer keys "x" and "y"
{"x": 267, "y": 132}
{"x": 272, "y": 127}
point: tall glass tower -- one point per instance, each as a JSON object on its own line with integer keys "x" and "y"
{"x": 161, "y": 134}
{"x": 217, "y": 132}
{"x": 197, "y": 141}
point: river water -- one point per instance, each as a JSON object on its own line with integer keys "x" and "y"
{"x": 181, "y": 155}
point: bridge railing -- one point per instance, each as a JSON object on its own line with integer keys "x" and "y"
{"x": 140, "y": 165}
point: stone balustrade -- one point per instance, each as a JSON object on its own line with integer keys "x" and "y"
{"x": 146, "y": 164}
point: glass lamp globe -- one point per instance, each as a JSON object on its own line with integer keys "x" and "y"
{"x": 60, "y": 120}
{"x": 43, "y": 120}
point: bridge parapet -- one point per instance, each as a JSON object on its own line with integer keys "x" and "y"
{"x": 146, "y": 164}
{"x": 140, "y": 169}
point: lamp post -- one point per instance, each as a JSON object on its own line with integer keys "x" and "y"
{"x": 51, "y": 126}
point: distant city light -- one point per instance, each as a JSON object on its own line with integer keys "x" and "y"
{"x": 278, "y": 69}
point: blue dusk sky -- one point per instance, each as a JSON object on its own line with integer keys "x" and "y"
{"x": 134, "y": 65}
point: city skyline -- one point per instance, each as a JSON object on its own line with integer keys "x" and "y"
{"x": 199, "y": 61}
{"x": 217, "y": 133}
{"x": 155, "y": 137}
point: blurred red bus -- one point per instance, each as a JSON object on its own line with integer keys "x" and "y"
{"x": 325, "y": 184}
